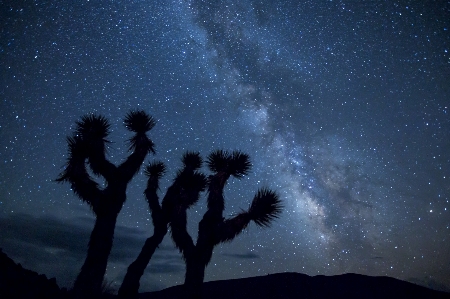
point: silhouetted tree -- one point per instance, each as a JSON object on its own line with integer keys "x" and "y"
{"x": 213, "y": 228}
{"x": 87, "y": 147}
{"x": 185, "y": 191}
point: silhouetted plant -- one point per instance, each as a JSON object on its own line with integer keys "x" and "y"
{"x": 87, "y": 147}
{"x": 185, "y": 191}
{"x": 108, "y": 290}
{"x": 213, "y": 228}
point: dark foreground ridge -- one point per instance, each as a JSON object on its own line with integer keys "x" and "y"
{"x": 296, "y": 285}
{"x": 17, "y": 282}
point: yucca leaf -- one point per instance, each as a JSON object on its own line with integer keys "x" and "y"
{"x": 265, "y": 207}
{"x": 77, "y": 154}
{"x": 236, "y": 163}
{"x": 218, "y": 161}
{"x": 192, "y": 160}
{"x": 239, "y": 164}
{"x": 92, "y": 127}
{"x": 139, "y": 121}
{"x": 141, "y": 140}
{"x": 155, "y": 169}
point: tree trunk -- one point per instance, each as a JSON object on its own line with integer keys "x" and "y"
{"x": 89, "y": 281}
{"x": 130, "y": 284}
{"x": 198, "y": 259}
{"x": 195, "y": 274}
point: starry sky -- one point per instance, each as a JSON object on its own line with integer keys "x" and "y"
{"x": 343, "y": 107}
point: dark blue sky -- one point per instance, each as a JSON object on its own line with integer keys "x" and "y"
{"x": 343, "y": 107}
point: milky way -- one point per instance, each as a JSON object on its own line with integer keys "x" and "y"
{"x": 342, "y": 106}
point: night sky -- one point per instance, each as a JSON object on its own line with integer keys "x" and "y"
{"x": 343, "y": 107}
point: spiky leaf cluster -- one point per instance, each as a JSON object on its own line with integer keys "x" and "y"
{"x": 76, "y": 157}
{"x": 192, "y": 160}
{"x": 93, "y": 127}
{"x": 236, "y": 163}
{"x": 155, "y": 169}
{"x": 240, "y": 164}
{"x": 139, "y": 121}
{"x": 218, "y": 160}
{"x": 265, "y": 207}
{"x": 141, "y": 140}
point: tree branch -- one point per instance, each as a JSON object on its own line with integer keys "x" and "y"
{"x": 141, "y": 145}
{"x": 227, "y": 230}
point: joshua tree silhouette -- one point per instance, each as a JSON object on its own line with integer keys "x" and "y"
{"x": 87, "y": 146}
{"x": 213, "y": 228}
{"x": 185, "y": 191}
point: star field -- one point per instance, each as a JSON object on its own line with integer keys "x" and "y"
{"x": 343, "y": 107}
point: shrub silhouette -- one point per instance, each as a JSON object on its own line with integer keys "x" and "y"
{"x": 87, "y": 147}
{"x": 213, "y": 228}
{"x": 185, "y": 189}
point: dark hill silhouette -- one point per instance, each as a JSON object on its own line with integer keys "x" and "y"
{"x": 295, "y": 285}
{"x": 17, "y": 282}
